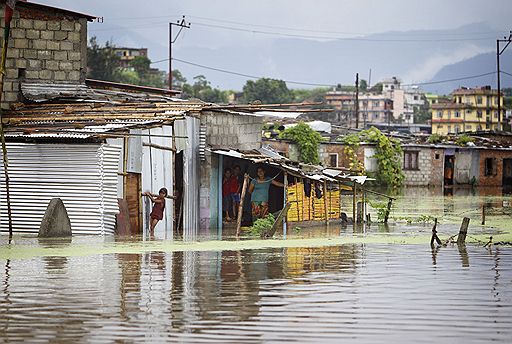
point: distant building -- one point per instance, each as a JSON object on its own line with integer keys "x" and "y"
{"x": 470, "y": 109}
{"x": 407, "y": 102}
{"x": 373, "y": 108}
{"x": 126, "y": 55}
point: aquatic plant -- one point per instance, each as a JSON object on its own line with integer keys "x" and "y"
{"x": 261, "y": 225}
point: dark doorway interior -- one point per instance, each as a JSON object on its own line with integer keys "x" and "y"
{"x": 178, "y": 192}
{"x": 507, "y": 173}
{"x": 449, "y": 169}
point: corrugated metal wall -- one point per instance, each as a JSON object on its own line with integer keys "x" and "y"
{"x": 157, "y": 173}
{"x": 190, "y": 128}
{"x": 84, "y": 176}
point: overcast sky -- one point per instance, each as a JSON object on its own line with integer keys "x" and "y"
{"x": 145, "y": 23}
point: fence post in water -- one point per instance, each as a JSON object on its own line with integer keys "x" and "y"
{"x": 483, "y": 214}
{"x": 354, "y": 189}
{"x": 388, "y": 210}
{"x": 326, "y": 211}
{"x": 434, "y": 235}
{"x": 463, "y": 231}
{"x": 241, "y": 205}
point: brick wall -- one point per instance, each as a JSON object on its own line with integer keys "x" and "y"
{"x": 45, "y": 45}
{"x": 497, "y": 179}
{"x": 421, "y": 176}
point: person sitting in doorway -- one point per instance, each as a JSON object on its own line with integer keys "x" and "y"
{"x": 157, "y": 213}
{"x": 259, "y": 193}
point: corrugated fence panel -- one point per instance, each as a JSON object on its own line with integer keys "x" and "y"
{"x": 84, "y": 176}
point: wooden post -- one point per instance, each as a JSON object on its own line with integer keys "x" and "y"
{"x": 241, "y": 205}
{"x": 434, "y": 235}
{"x": 339, "y": 188}
{"x": 302, "y": 196}
{"x": 354, "y": 192}
{"x": 297, "y": 198}
{"x": 173, "y": 171}
{"x": 461, "y": 239}
{"x": 483, "y": 214}
{"x": 388, "y": 210}
{"x": 326, "y": 210}
{"x": 285, "y": 202}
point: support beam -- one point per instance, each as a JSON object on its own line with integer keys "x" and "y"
{"x": 241, "y": 205}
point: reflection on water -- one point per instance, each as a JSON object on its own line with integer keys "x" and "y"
{"x": 363, "y": 293}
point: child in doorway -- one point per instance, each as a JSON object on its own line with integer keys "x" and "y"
{"x": 157, "y": 213}
{"x": 229, "y": 186}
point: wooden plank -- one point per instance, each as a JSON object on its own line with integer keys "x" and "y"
{"x": 279, "y": 220}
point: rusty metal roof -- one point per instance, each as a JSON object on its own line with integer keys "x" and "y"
{"x": 36, "y": 5}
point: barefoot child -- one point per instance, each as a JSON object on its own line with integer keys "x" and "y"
{"x": 157, "y": 213}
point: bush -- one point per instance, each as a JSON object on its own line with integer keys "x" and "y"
{"x": 261, "y": 225}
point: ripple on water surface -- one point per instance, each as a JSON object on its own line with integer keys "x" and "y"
{"x": 360, "y": 292}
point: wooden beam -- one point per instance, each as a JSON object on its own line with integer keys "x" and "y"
{"x": 154, "y": 145}
{"x": 241, "y": 205}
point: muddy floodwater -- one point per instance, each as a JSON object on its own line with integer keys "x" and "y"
{"x": 371, "y": 285}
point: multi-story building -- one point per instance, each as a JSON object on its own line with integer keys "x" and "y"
{"x": 373, "y": 108}
{"x": 407, "y": 102}
{"x": 470, "y": 109}
{"x": 126, "y": 55}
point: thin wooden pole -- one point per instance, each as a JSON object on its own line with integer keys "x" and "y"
{"x": 330, "y": 199}
{"x": 297, "y": 198}
{"x": 241, "y": 205}
{"x": 302, "y": 196}
{"x": 284, "y": 203}
{"x": 388, "y": 210}
{"x": 483, "y": 214}
{"x": 339, "y": 188}
{"x": 354, "y": 193}
{"x": 325, "y": 203}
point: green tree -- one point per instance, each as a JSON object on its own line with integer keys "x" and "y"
{"x": 310, "y": 95}
{"x": 268, "y": 91}
{"x": 307, "y": 140}
{"x": 147, "y": 75}
{"x": 102, "y": 62}
{"x": 363, "y": 85}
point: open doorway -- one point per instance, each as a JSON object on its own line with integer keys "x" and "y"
{"x": 449, "y": 170}
{"x": 507, "y": 174}
{"x": 178, "y": 192}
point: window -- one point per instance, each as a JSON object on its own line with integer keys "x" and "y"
{"x": 449, "y": 129}
{"x": 479, "y": 100}
{"x": 468, "y": 111}
{"x": 333, "y": 160}
{"x": 487, "y": 112}
{"x": 439, "y": 114}
{"x": 490, "y": 166}
{"x": 437, "y": 156}
{"x": 410, "y": 160}
{"x": 457, "y": 129}
{"x": 468, "y": 127}
{"x": 487, "y": 126}
{"x": 375, "y": 104}
{"x": 376, "y": 115}
{"x": 439, "y": 127}
{"x": 415, "y": 97}
{"x": 479, "y": 114}
{"x": 495, "y": 114}
{"x": 457, "y": 114}
{"x": 449, "y": 113}
{"x": 460, "y": 100}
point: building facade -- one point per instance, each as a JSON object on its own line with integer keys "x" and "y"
{"x": 470, "y": 109}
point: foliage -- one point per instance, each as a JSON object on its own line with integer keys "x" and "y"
{"x": 382, "y": 209}
{"x": 463, "y": 140}
{"x": 377, "y": 88}
{"x": 267, "y": 91}
{"x": 261, "y": 225}
{"x": 200, "y": 89}
{"x": 351, "y": 143}
{"x": 388, "y": 154}
{"x": 310, "y": 95}
{"x": 363, "y": 85}
{"x": 102, "y": 62}
{"x": 307, "y": 140}
{"x": 436, "y": 138}
{"x": 425, "y": 219}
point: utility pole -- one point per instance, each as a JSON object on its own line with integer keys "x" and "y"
{"x": 498, "y": 54}
{"x": 182, "y": 24}
{"x": 357, "y": 101}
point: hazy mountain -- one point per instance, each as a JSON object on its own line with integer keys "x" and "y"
{"x": 480, "y": 64}
{"x": 414, "y": 56}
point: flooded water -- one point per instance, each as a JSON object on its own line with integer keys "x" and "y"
{"x": 362, "y": 293}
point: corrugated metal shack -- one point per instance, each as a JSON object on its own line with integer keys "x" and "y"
{"x": 91, "y": 154}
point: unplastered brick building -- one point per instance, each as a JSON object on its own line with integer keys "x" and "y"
{"x": 47, "y": 44}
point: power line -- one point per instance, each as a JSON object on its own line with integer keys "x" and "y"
{"x": 274, "y": 33}
{"x": 320, "y": 84}
{"x": 245, "y": 75}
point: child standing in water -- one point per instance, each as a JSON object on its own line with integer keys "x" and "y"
{"x": 157, "y": 213}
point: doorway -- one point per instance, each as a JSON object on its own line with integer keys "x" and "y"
{"x": 449, "y": 170}
{"x": 507, "y": 173}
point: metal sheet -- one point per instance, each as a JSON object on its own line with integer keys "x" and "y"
{"x": 84, "y": 176}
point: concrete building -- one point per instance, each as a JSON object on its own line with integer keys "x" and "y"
{"x": 47, "y": 44}
{"x": 126, "y": 55}
{"x": 470, "y": 109}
